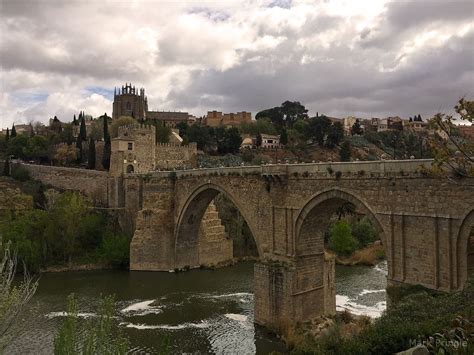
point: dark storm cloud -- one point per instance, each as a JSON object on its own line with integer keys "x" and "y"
{"x": 342, "y": 58}
{"x": 433, "y": 80}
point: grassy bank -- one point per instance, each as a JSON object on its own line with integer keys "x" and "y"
{"x": 422, "y": 316}
{"x": 369, "y": 256}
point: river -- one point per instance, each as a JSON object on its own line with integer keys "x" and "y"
{"x": 205, "y": 311}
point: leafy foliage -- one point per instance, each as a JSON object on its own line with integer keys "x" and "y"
{"x": 100, "y": 336}
{"x": 341, "y": 239}
{"x": 456, "y": 152}
{"x": 13, "y": 295}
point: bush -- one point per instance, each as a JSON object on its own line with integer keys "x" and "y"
{"x": 115, "y": 250}
{"x": 364, "y": 232}
{"x": 341, "y": 240}
{"x": 20, "y": 173}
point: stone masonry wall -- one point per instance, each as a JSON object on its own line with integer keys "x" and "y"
{"x": 170, "y": 156}
{"x": 93, "y": 184}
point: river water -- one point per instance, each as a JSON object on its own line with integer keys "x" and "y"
{"x": 200, "y": 311}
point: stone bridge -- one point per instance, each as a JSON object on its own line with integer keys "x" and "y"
{"x": 425, "y": 222}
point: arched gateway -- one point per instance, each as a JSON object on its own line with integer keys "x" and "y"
{"x": 425, "y": 223}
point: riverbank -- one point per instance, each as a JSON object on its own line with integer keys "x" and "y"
{"x": 368, "y": 256}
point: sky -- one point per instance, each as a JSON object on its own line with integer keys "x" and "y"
{"x": 338, "y": 57}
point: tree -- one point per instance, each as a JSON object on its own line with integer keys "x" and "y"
{"x": 7, "y": 137}
{"x": 364, "y": 232}
{"x": 162, "y": 133}
{"x": 91, "y": 155}
{"x": 17, "y": 146}
{"x": 107, "y": 152}
{"x": 335, "y": 135}
{"x": 275, "y": 115}
{"x": 79, "y": 156}
{"x": 37, "y": 148}
{"x": 455, "y": 153}
{"x": 201, "y": 136}
{"x": 74, "y": 121}
{"x": 341, "y": 240}
{"x": 13, "y": 132}
{"x": 232, "y": 141}
{"x": 356, "y": 129}
{"x": 107, "y": 145}
{"x": 67, "y": 154}
{"x": 183, "y": 128}
{"x": 292, "y": 111}
{"x": 318, "y": 129}
{"x": 345, "y": 151}
{"x": 13, "y": 296}
{"x": 82, "y": 130}
{"x": 258, "y": 142}
{"x": 284, "y": 137}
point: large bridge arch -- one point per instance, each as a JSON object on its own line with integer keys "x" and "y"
{"x": 189, "y": 218}
{"x": 321, "y": 206}
{"x": 465, "y": 249}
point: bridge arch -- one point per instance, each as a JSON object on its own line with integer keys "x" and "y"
{"x": 320, "y": 207}
{"x": 465, "y": 250}
{"x": 189, "y": 220}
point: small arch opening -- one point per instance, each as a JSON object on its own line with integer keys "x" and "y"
{"x": 130, "y": 169}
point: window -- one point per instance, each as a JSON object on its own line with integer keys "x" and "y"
{"x": 130, "y": 146}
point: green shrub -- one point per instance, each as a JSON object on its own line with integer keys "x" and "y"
{"x": 115, "y": 249}
{"x": 364, "y": 232}
{"x": 341, "y": 240}
{"x": 20, "y": 173}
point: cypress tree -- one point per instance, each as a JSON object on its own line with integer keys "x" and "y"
{"x": 91, "y": 155}
{"x": 7, "y": 138}
{"x": 79, "y": 148}
{"x": 82, "y": 130}
{"x": 258, "y": 142}
{"x": 13, "y": 132}
{"x": 107, "y": 153}
{"x": 284, "y": 137}
{"x": 107, "y": 145}
{"x": 345, "y": 152}
{"x": 74, "y": 121}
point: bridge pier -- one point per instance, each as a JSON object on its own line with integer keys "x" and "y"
{"x": 279, "y": 301}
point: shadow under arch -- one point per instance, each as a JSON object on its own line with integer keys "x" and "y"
{"x": 186, "y": 237}
{"x": 331, "y": 199}
{"x": 465, "y": 250}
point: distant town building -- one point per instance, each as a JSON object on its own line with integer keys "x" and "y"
{"x": 270, "y": 141}
{"x": 388, "y": 124}
{"x": 23, "y": 129}
{"x": 466, "y": 131}
{"x": 217, "y": 118}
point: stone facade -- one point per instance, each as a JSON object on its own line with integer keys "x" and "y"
{"x": 135, "y": 151}
{"x": 217, "y": 118}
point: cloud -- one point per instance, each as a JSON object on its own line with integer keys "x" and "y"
{"x": 370, "y": 58}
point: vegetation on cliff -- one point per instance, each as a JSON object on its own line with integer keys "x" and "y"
{"x": 422, "y": 316}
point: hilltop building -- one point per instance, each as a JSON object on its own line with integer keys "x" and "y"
{"x": 129, "y": 101}
{"x": 217, "y": 118}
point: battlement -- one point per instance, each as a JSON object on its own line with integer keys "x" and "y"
{"x": 137, "y": 127}
{"x": 177, "y": 146}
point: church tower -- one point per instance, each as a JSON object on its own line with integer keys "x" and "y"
{"x": 130, "y": 102}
